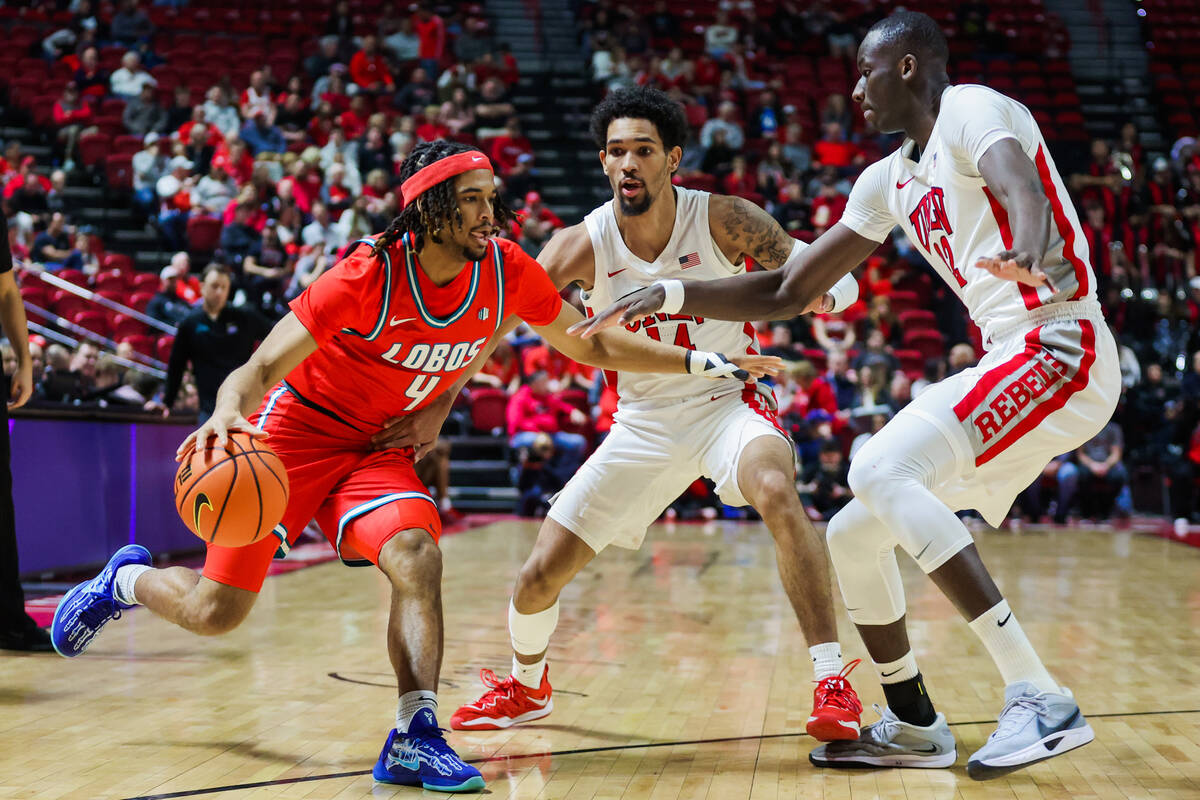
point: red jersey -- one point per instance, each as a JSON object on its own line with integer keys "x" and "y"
{"x": 390, "y": 341}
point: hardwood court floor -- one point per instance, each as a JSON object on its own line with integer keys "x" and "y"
{"x": 679, "y": 673}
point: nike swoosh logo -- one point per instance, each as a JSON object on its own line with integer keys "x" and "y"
{"x": 477, "y": 159}
{"x": 923, "y": 549}
{"x": 933, "y": 748}
{"x": 1004, "y": 621}
{"x": 618, "y": 272}
{"x": 889, "y": 674}
{"x": 394, "y": 322}
{"x": 201, "y": 503}
{"x": 539, "y": 703}
{"x": 1054, "y": 744}
{"x": 906, "y": 183}
{"x": 1047, "y": 730}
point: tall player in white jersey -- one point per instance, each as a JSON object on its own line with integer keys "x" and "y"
{"x": 975, "y": 188}
{"x": 667, "y": 431}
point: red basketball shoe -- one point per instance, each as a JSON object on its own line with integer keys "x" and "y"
{"x": 836, "y": 708}
{"x": 506, "y": 703}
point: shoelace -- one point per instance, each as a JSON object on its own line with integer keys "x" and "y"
{"x": 1016, "y": 714}
{"x": 885, "y": 729}
{"x": 96, "y": 615}
{"x": 498, "y": 688}
{"x": 834, "y": 691}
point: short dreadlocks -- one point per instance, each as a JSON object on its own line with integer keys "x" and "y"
{"x": 437, "y": 207}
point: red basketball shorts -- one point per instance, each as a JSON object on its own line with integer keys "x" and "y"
{"x": 359, "y": 498}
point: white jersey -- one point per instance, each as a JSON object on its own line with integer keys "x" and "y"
{"x": 691, "y": 254}
{"x": 948, "y": 212}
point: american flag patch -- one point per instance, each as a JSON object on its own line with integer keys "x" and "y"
{"x": 689, "y": 261}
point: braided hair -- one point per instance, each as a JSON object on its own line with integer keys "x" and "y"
{"x": 437, "y": 207}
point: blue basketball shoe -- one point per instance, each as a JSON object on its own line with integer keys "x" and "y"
{"x": 89, "y": 606}
{"x": 421, "y": 757}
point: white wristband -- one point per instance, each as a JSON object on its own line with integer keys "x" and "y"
{"x": 673, "y": 299}
{"x": 844, "y": 293}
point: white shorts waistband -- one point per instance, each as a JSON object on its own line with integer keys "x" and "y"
{"x": 1053, "y": 312}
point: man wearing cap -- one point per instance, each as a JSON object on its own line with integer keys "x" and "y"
{"x": 167, "y": 306}
{"x": 174, "y": 193}
{"x": 149, "y": 165}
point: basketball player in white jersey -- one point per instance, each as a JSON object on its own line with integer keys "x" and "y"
{"x": 975, "y": 188}
{"x": 667, "y": 431}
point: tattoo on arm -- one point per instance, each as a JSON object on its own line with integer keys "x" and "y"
{"x": 755, "y": 233}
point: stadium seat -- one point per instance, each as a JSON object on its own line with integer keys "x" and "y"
{"x": 112, "y": 280}
{"x": 489, "y": 409}
{"x": 94, "y": 321}
{"x": 146, "y": 345}
{"x": 203, "y": 235}
{"x": 139, "y": 300}
{"x": 930, "y": 343}
{"x": 124, "y": 326}
{"x": 117, "y": 261}
{"x": 912, "y": 362}
{"x": 118, "y": 171}
{"x": 905, "y": 301}
{"x": 917, "y": 319}
{"x": 145, "y": 282}
{"x": 93, "y": 148}
{"x": 163, "y": 347}
{"x": 74, "y": 276}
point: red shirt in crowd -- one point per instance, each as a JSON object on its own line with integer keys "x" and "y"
{"x": 75, "y": 116}
{"x": 837, "y": 154}
{"x": 431, "y": 34}
{"x": 354, "y": 125}
{"x": 367, "y": 70}
{"x": 539, "y": 413}
{"x": 819, "y": 395}
{"x": 506, "y": 149}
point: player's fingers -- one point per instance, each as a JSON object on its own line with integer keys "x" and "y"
{"x": 188, "y": 444}
{"x": 422, "y": 450}
{"x": 248, "y": 428}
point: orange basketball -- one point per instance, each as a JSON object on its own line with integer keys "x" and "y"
{"x": 231, "y": 497}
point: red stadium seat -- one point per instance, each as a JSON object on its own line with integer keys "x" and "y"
{"x": 930, "y": 343}
{"x": 74, "y": 276}
{"x": 112, "y": 280}
{"x": 163, "y": 348}
{"x": 117, "y": 261}
{"x": 905, "y": 301}
{"x": 145, "y": 282}
{"x": 118, "y": 171}
{"x": 203, "y": 234}
{"x": 146, "y": 345}
{"x": 139, "y": 300}
{"x": 817, "y": 357}
{"x": 65, "y": 304}
{"x": 912, "y": 362}
{"x": 93, "y": 148}
{"x": 917, "y": 319}
{"x": 124, "y": 326}
{"x": 489, "y": 409}
{"x": 94, "y": 321}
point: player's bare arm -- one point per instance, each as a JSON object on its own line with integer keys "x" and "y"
{"x": 568, "y": 258}
{"x": 1013, "y": 179}
{"x": 623, "y": 351}
{"x": 772, "y": 294}
{"x": 12, "y": 320}
{"x": 288, "y": 343}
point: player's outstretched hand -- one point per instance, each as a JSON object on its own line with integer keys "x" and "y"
{"x": 758, "y": 366}
{"x": 418, "y": 430}
{"x": 626, "y": 310}
{"x": 218, "y": 427}
{"x": 1010, "y": 265}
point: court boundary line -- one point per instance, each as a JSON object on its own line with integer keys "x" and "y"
{"x": 583, "y": 751}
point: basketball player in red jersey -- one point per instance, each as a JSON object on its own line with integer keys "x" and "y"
{"x": 392, "y": 328}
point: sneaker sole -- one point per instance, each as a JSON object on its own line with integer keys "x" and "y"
{"x": 831, "y": 730}
{"x": 500, "y": 723}
{"x": 871, "y": 762}
{"x": 1063, "y": 742}
{"x": 473, "y": 784}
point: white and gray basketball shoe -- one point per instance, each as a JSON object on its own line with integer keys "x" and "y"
{"x": 891, "y": 743}
{"x": 1032, "y": 727}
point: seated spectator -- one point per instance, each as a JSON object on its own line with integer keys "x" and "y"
{"x": 175, "y": 197}
{"x": 90, "y": 78}
{"x": 199, "y": 148}
{"x": 502, "y": 370}
{"x": 873, "y": 377}
{"x": 127, "y": 81}
{"x": 876, "y": 350}
{"x": 238, "y": 161}
{"x": 456, "y": 113}
{"x": 81, "y": 257}
{"x": 833, "y": 332}
{"x": 1097, "y": 466}
{"x": 726, "y": 120}
{"x": 432, "y": 128}
{"x": 537, "y": 478}
{"x": 167, "y": 305}
{"x": 335, "y": 194}
{"x": 403, "y": 43}
{"x": 824, "y": 486}
{"x": 961, "y": 356}
{"x": 842, "y": 379}
{"x": 354, "y": 120}
{"x": 720, "y": 36}
{"x": 220, "y": 112}
{"x": 293, "y": 118}
{"x": 781, "y": 344}
{"x": 369, "y": 69}
{"x": 493, "y": 110}
{"x": 534, "y": 410}
{"x": 238, "y": 236}
{"x": 740, "y": 181}
{"x": 149, "y": 165}
{"x": 431, "y": 31}
{"x": 310, "y": 265}
{"x": 418, "y": 93}
{"x": 795, "y": 151}
{"x": 215, "y": 191}
{"x": 130, "y": 24}
{"x": 318, "y": 64}
{"x": 257, "y": 98}
{"x": 506, "y": 149}
{"x": 73, "y": 117}
{"x": 261, "y": 136}
{"x": 26, "y": 191}
{"x": 322, "y": 230}
{"x": 899, "y": 391}
{"x": 266, "y": 271}
{"x": 143, "y": 114}
{"x": 52, "y": 246}
{"x": 561, "y": 370}
{"x": 834, "y": 150}
{"x": 809, "y": 393}
{"x": 546, "y": 220}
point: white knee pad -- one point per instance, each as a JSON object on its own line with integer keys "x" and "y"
{"x": 863, "y": 552}
{"x": 530, "y": 633}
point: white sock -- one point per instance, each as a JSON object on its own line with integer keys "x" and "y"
{"x": 124, "y": 582}
{"x": 902, "y": 669}
{"x": 530, "y": 635}
{"x": 410, "y": 704}
{"x": 529, "y": 674}
{"x": 827, "y": 659}
{"x": 1001, "y": 634}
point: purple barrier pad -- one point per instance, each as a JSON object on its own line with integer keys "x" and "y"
{"x": 84, "y": 488}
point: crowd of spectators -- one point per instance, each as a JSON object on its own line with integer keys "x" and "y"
{"x": 289, "y": 169}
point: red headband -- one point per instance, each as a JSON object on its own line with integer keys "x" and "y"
{"x": 440, "y": 170}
